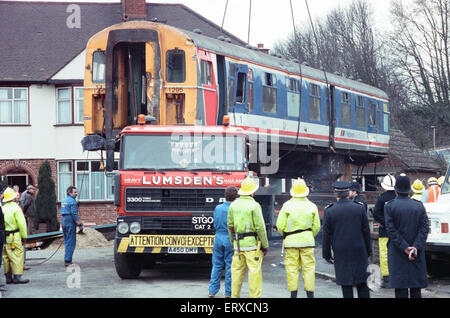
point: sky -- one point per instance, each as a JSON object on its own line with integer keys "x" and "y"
{"x": 271, "y": 20}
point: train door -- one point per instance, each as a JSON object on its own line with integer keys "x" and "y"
{"x": 209, "y": 87}
{"x": 221, "y": 82}
{"x": 238, "y": 86}
{"x": 360, "y": 114}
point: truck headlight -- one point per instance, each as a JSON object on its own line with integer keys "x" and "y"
{"x": 135, "y": 227}
{"x": 122, "y": 227}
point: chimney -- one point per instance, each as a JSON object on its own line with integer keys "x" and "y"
{"x": 134, "y": 10}
{"x": 262, "y": 49}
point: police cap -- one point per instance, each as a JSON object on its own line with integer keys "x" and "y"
{"x": 355, "y": 186}
{"x": 341, "y": 186}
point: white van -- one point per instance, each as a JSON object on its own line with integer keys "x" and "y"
{"x": 438, "y": 241}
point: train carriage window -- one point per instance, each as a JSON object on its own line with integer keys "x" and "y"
{"x": 378, "y": 116}
{"x": 231, "y": 92}
{"x": 373, "y": 114}
{"x": 360, "y": 112}
{"x": 206, "y": 73}
{"x": 346, "y": 109}
{"x": 270, "y": 94}
{"x": 175, "y": 66}
{"x": 293, "y": 97}
{"x": 240, "y": 89}
{"x": 385, "y": 117}
{"x": 98, "y": 67}
{"x": 250, "y": 90}
{"x": 314, "y": 102}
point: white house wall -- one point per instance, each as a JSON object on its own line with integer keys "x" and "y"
{"x": 73, "y": 70}
{"x": 42, "y": 139}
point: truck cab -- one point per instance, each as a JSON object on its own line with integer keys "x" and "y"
{"x": 169, "y": 182}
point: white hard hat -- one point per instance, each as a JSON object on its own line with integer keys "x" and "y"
{"x": 388, "y": 182}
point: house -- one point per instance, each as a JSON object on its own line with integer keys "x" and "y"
{"x": 403, "y": 157}
{"x": 41, "y": 90}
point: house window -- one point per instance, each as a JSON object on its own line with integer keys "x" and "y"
{"x": 314, "y": 102}
{"x": 69, "y": 105}
{"x": 65, "y": 178}
{"x": 360, "y": 112}
{"x": 346, "y": 109}
{"x": 79, "y": 105}
{"x": 270, "y": 93}
{"x": 293, "y": 97}
{"x": 13, "y": 105}
{"x": 92, "y": 183}
{"x": 175, "y": 66}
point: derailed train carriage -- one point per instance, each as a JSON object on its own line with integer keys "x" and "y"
{"x": 320, "y": 122}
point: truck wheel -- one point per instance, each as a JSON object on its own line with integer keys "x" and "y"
{"x": 128, "y": 266}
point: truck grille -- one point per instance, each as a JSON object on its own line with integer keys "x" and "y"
{"x": 172, "y": 200}
{"x": 167, "y": 223}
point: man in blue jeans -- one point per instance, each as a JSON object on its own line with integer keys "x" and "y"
{"x": 70, "y": 220}
{"x": 222, "y": 250}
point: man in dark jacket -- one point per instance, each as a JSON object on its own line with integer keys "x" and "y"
{"x": 407, "y": 227}
{"x": 355, "y": 194}
{"x": 346, "y": 232}
{"x": 27, "y": 203}
{"x": 2, "y": 233}
{"x": 378, "y": 214}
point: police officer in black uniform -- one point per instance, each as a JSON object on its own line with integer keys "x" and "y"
{"x": 355, "y": 193}
{"x": 346, "y": 232}
{"x": 2, "y": 233}
{"x": 407, "y": 226}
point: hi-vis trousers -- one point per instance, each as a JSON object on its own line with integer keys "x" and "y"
{"x": 382, "y": 246}
{"x": 13, "y": 259}
{"x": 251, "y": 260}
{"x": 300, "y": 257}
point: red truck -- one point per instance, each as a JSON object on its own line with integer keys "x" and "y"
{"x": 170, "y": 179}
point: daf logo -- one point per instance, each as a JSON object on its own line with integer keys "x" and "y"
{"x": 211, "y": 200}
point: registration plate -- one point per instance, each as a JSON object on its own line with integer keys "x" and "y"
{"x": 182, "y": 250}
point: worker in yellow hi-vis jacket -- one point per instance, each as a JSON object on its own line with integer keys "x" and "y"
{"x": 298, "y": 223}
{"x": 16, "y": 233}
{"x": 247, "y": 232}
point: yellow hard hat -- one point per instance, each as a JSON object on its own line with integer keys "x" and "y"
{"x": 431, "y": 181}
{"x": 441, "y": 180}
{"x": 9, "y": 195}
{"x": 299, "y": 188}
{"x": 248, "y": 186}
{"x": 417, "y": 186}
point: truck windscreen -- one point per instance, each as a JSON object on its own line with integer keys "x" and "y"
{"x": 183, "y": 152}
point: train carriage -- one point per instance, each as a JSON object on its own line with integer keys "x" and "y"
{"x": 184, "y": 77}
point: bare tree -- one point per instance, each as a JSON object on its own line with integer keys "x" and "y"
{"x": 420, "y": 46}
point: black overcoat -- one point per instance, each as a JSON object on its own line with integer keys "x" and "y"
{"x": 346, "y": 232}
{"x": 378, "y": 210}
{"x": 406, "y": 225}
